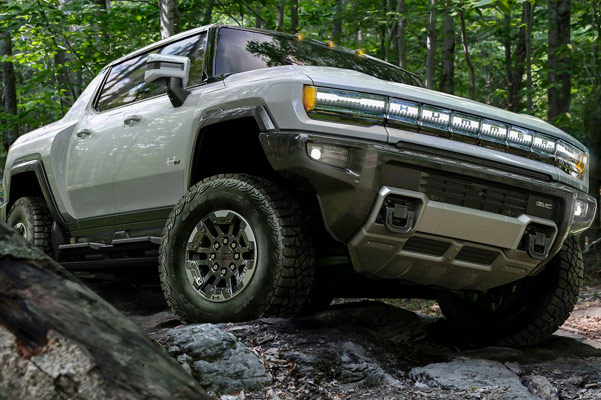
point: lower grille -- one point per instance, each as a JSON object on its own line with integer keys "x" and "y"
{"x": 479, "y": 195}
{"x": 476, "y": 255}
{"x": 426, "y": 246}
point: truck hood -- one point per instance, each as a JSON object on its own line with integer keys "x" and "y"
{"x": 353, "y": 80}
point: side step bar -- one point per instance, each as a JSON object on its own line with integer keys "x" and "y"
{"x": 120, "y": 252}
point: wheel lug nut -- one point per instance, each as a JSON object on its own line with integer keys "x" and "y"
{"x": 236, "y": 256}
{"x": 216, "y": 245}
{"x": 233, "y": 245}
{"x": 215, "y": 267}
{"x": 213, "y": 256}
{"x": 232, "y": 267}
{"x": 223, "y": 271}
{"x": 225, "y": 241}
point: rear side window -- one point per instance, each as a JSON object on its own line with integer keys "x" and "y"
{"x": 125, "y": 83}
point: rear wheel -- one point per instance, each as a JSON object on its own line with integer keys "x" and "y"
{"x": 522, "y": 313}
{"x": 235, "y": 248}
{"x": 31, "y": 218}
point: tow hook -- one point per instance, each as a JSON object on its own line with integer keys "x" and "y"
{"x": 399, "y": 218}
{"x": 538, "y": 245}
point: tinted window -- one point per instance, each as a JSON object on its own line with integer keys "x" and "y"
{"x": 125, "y": 83}
{"x": 240, "y": 51}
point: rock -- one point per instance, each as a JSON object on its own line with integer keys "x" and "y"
{"x": 346, "y": 362}
{"x": 540, "y": 386}
{"x": 515, "y": 368}
{"x": 216, "y": 358}
{"x": 472, "y": 374}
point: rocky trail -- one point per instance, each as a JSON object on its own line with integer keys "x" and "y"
{"x": 369, "y": 349}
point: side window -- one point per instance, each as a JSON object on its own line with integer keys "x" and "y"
{"x": 125, "y": 83}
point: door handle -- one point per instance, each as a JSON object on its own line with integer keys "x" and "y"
{"x": 131, "y": 118}
{"x": 83, "y": 133}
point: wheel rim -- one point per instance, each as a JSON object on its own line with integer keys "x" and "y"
{"x": 21, "y": 229}
{"x": 221, "y": 256}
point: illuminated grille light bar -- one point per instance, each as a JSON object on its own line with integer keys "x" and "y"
{"x": 346, "y": 106}
{"x": 434, "y": 119}
{"x": 465, "y": 126}
{"x": 403, "y": 112}
{"x": 493, "y": 134}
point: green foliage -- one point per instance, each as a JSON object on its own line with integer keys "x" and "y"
{"x": 59, "y": 45}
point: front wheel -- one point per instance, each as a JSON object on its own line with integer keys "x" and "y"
{"x": 235, "y": 248}
{"x": 522, "y": 313}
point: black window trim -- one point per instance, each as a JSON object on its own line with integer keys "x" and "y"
{"x": 109, "y": 68}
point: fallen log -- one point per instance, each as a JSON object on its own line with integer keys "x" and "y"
{"x": 59, "y": 339}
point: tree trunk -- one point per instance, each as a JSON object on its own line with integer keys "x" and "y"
{"x": 507, "y": 48}
{"x": 294, "y": 16}
{"x": 402, "y": 45}
{"x": 466, "y": 51}
{"x": 259, "y": 21}
{"x": 517, "y": 71}
{"x": 337, "y": 25}
{"x": 208, "y": 14}
{"x": 431, "y": 45}
{"x": 529, "y": 8}
{"x": 559, "y": 60}
{"x": 447, "y": 72}
{"x": 59, "y": 339}
{"x": 281, "y": 11}
{"x": 168, "y": 17}
{"x": 9, "y": 86}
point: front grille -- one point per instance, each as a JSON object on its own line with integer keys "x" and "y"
{"x": 476, "y": 255}
{"x": 426, "y": 246}
{"x": 476, "y": 194}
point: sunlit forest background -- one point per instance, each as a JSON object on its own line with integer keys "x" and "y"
{"x": 536, "y": 57}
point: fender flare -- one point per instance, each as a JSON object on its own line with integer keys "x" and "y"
{"x": 37, "y": 168}
{"x": 258, "y": 112}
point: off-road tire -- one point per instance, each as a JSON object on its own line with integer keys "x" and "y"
{"x": 34, "y": 214}
{"x": 537, "y": 308}
{"x": 285, "y": 263}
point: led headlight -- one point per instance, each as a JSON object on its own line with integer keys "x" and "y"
{"x": 328, "y": 154}
{"x": 584, "y": 213}
{"x": 344, "y": 105}
{"x": 571, "y": 160}
{"x": 543, "y": 147}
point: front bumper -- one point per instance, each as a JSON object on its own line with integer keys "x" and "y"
{"x": 465, "y": 245}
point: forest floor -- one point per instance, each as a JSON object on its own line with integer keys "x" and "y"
{"x": 383, "y": 349}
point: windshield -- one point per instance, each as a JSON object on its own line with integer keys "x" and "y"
{"x": 240, "y": 50}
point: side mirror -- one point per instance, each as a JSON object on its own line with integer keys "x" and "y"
{"x": 170, "y": 71}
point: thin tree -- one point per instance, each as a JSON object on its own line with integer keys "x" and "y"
{"x": 402, "y": 45}
{"x": 466, "y": 51}
{"x": 208, "y": 13}
{"x": 168, "y": 17}
{"x": 431, "y": 45}
{"x": 447, "y": 72}
{"x": 559, "y": 60}
{"x": 9, "y": 85}
{"x": 281, "y": 9}
{"x": 529, "y": 10}
{"x": 517, "y": 71}
{"x": 294, "y": 16}
{"x": 337, "y": 25}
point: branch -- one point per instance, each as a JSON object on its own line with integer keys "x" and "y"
{"x": 226, "y": 12}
